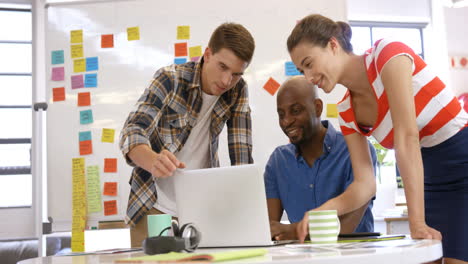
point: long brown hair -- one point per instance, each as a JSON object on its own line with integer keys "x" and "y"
{"x": 318, "y": 30}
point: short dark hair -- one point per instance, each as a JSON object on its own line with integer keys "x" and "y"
{"x": 318, "y": 30}
{"x": 234, "y": 37}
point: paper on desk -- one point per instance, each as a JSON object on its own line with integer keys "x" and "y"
{"x": 212, "y": 257}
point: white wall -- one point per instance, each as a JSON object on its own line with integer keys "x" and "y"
{"x": 457, "y": 45}
{"x": 392, "y": 11}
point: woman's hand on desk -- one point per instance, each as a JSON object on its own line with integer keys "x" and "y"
{"x": 421, "y": 230}
{"x": 283, "y": 231}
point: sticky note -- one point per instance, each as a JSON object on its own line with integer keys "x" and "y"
{"x": 195, "y": 51}
{"x": 84, "y": 99}
{"x": 180, "y": 49}
{"x": 180, "y": 60}
{"x": 110, "y": 188}
{"x": 332, "y": 110}
{"x": 85, "y": 135}
{"x": 133, "y": 33}
{"x": 77, "y": 241}
{"x": 58, "y": 74}
{"x": 79, "y": 65}
{"x": 110, "y": 165}
{"x": 90, "y": 80}
{"x": 93, "y": 190}
{"x": 78, "y": 166}
{"x": 271, "y": 86}
{"x": 183, "y": 32}
{"x": 110, "y": 207}
{"x": 77, "y": 81}
{"x": 108, "y": 135}
{"x": 290, "y": 69}
{"x": 76, "y": 51}
{"x": 86, "y": 117}
{"x": 57, "y": 57}
{"x": 58, "y": 94}
{"x": 92, "y": 64}
{"x": 195, "y": 59}
{"x": 76, "y": 36}
{"x": 107, "y": 41}
{"x": 86, "y": 147}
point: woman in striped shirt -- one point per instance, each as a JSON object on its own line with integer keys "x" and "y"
{"x": 395, "y": 97}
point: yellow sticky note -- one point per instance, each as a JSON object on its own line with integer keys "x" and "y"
{"x": 77, "y": 51}
{"x": 78, "y": 204}
{"x": 108, "y": 135}
{"x": 133, "y": 33}
{"x": 183, "y": 32}
{"x": 78, "y": 166}
{"x": 332, "y": 110}
{"x": 79, "y": 65}
{"x": 76, "y": 36}
{"x": 195, "y": 51}
{"x": 77, "y": 241}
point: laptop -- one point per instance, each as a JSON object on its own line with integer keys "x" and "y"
{"x": 228, "y": 205}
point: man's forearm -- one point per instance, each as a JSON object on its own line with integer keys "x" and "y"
{"x": 142, "y": 155}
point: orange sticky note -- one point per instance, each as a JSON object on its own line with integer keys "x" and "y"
{"x": 271, "y": 86}
{"x": 180, "y": 49}
{"x": 86, "y": 147}
{"x": 110, "y": 165}
{"x": 107, "y": 41}
{"x": 84, "y": 99}
{"x": 110, "y": 207}
{"x": 110, "y": 188}
{"x": 58, "y": 94}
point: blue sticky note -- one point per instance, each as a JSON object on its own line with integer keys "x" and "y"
{"x": 85, "y": 135}
{"x": 86, "y": 117}
{"x": 57, "y": 57}
{"x": 92, "y": 64}
{"x": 290, "y": 69}
{"x": 180, "y": 60}
{"x": 90, "y": 80}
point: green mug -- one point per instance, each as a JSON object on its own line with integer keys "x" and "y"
{"x": 324, "y": 226}
{"x": 157, "y": 223}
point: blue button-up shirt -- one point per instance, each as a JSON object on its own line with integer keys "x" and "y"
{"x": 301, "y": 188}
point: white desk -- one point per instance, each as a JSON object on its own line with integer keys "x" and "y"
{"x": 395, "y": 251}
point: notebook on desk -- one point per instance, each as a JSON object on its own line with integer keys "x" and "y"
{"x": 228, "y": 205}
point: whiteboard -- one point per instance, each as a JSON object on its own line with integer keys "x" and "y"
{"x": 125, "y": 71}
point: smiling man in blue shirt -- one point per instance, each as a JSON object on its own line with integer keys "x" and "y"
{"x": 313, "y": 168}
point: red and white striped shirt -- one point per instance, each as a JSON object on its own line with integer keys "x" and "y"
{"x": 439, "y": 114}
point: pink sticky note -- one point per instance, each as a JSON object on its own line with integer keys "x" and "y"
{"x": 77, "y": 81}
{"x": 195, "y": 59}
{"x": 58, "y": 74}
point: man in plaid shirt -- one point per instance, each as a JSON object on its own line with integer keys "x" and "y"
{"x": 177, "y": 121}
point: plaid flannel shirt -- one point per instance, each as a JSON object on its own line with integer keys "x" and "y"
{"x": 163, "y": 118}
